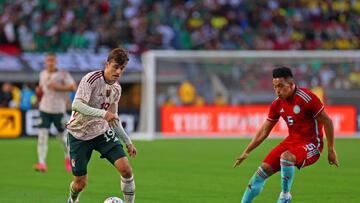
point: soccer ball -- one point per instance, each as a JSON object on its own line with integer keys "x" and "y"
{"x": 113, "y": 200}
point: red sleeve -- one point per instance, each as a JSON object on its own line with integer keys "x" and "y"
{"x": 274, "y": 115}
{"x": 315, "y": 105}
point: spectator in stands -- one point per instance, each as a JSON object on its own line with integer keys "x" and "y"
{"x": 199, "y": 100}
{"x": 6, "y": 95}
{"x": 28, "y": 98}
{"x": 16, "y": 96}
{"x": 220, "y": 100}
{"x": 187, "y": 93}
{"x": 354, "y": 77}
{"x": 318, "y": 89}
{"x": 159, "y": 24}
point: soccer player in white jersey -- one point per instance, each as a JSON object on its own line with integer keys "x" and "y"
{"x": 92, "y": 125}
{"x": 54, "y": 85}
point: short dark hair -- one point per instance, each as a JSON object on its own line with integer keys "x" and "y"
{"x": 282, "y": 72}
{"x": 118, "y": 55}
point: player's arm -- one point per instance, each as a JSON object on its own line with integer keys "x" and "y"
{"x": 120, "y": 131}
{"x": 260, "y": 136}
{"x": 329, "y": 132}
{"x": 70, "y": 84}
{"x": 63, "y": 88}
{"x": 82, "y": 107}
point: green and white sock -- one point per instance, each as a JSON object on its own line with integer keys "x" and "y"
{"x": 74, "y": 195}
{"x": 128, "y": 188}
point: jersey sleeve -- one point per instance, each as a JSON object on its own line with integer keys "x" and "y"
{"x": 315, "y": 105}
{"x": 115, "y": 105}
{"x": 273, "y": 115}
{"x": 84, "y": 90}
{"x": 69, "y": 79}
{"x": 42, "y": 79}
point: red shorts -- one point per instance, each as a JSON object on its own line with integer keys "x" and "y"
{"x": 306, "y": 154}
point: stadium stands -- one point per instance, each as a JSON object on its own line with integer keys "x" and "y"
{"x": 59, "y": 25}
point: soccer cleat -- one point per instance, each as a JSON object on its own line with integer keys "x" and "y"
{"x": 284, "y": 198}
{"x": 69, "y": 201}
{"x": 40, "y": 167}
{"x": 67, "y": 164}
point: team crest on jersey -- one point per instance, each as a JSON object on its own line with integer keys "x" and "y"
{"x": 108, "y": 93}
{"x": 296, "y": 109}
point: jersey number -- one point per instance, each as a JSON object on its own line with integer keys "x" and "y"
{"x": 110, "y": 135}
{"x": 310, "y": 146}
{"x": 105, "y": 106}
{"x": 290, "y": 120}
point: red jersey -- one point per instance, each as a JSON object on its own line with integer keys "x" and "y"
{"x": 299, "y": 112}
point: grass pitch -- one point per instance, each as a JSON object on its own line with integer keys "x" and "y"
{"x": 176, "y": 171}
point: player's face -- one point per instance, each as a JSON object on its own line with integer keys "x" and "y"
{"x": 50, "y": 63}
{"x": 283, "y": 87}
{"x": 113, "y": 71}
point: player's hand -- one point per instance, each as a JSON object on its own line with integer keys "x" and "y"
{"x": 53, "y": 86}
{"x": 109, "y": 117}
{"x": 240, "y": 159}
{"x": 131, "y": 150}
{"x": 332, "y": 158}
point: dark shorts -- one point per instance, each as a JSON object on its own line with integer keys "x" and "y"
{"x": 306, "y": 154}
{"x": 48, "y": 118}
{"x": 107, "y": 144}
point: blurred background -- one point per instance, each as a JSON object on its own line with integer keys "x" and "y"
{"x": 82, "y": 32}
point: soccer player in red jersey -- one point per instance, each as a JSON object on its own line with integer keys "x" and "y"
{"x": 305, "y": 117}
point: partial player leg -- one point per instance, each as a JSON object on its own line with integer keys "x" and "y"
{"x": 42, "y": 148}
{"x": 287, "y": 163}
{"x": 63, "y": 139}
{"x": 127, "y": 179}
{"x": 76, "y": 186}
{"x": 257, "y": 183}
{"x": 59, "y": 124}
{"x": 111, "y": 149}
{"x": 80, "y": 153}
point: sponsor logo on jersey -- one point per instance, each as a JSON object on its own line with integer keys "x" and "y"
{"x": 282, "y": 110}
{"x": 296, "y": 109}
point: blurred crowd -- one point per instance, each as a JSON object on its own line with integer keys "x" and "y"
{"x": 139, "y": 25}
{"x": 228, "y": 84}
{"x": 59, "y": 25}
{"x": 239, "y": 82}
{"x": 14, "y": 96}
{"x": 23, "y": 96}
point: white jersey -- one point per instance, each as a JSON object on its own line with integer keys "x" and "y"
{"x": 95, "y": 92}
{"x": 54, "y": 101}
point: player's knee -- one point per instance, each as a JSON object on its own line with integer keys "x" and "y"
{"x": 123, "y": 167}
{"x": 288, "y": 156}
{"x": 126, "y": 171}
{"x": 267, "y": 169}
